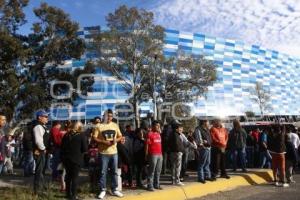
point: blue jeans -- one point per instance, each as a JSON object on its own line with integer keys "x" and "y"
{"x": 239, "y": 153}
{"x": 55, "y": 162}
{"x": 265, "y": 158}
{"x": 1, "y": 166}
{"x": 250, "y": 156}
{"x": 203, "y": 163}
{"x": 111, "y": 162}
{"x": 28, "y": 166}
{"x": 155, "y": 165}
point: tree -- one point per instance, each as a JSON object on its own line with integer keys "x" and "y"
{"x": 249, "y": 114}
{"x": 32, "y": 60}
{"x": 132, "y": 51}
{"x": 128, "y": 47}
{"x": 54, "y": 40}
{"x": 12, "y": 15}
{"x": 187, "y": 81}
{"x": 11, "y": 52}
{"x": 262, "y": 97}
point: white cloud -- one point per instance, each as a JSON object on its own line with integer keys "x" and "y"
{"x": 274, "y": 24}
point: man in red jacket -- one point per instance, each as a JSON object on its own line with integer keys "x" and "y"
{"x": 219, "y": 136}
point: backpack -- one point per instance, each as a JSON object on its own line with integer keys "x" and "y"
{"x": 28, "y": 138}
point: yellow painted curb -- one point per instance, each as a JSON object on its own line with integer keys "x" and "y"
{"x": 194, "y": 190}
{"x": 252, "y": 178}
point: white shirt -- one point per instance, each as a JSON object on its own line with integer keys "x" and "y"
{"x": 39, "y": 132}
{"x": 10, "y": 145}
{"x": 295, "y": 139}
{"x": 186, "y": 142}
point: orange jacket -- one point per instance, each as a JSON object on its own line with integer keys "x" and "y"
{"x": 219, "y": 137}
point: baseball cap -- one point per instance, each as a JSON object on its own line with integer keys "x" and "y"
{"x": 41, "y": 113}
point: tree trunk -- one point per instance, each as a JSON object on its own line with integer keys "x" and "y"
{"x": 136, "y": 113}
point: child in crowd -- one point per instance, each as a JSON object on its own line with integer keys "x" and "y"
{"x": 7, "y": 151}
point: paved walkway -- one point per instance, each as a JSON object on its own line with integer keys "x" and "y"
{"x": 192, "y": 189}
{"x": 260, "y": 192}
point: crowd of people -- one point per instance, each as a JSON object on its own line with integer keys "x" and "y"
{"x": 137, "y": 158}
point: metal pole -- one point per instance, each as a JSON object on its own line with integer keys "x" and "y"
{"x": 154, "y": 89}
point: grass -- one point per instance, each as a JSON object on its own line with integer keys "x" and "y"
{"x": 51, "y": 193}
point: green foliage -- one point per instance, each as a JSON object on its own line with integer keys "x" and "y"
{"x": 130, "y": 44}
{"x": 250, "y": 114}
{"x": 30, "y": 63}
{"x": 11, "y": 14}
{"x": 11, "y": 52}
{"x": 132, "y": 51}
{"x": 129, "y": 48}
{"x": 185, "y": 78}
{"x": 58, "y": 35}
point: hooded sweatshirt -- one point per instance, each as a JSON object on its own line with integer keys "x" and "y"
{"x": 219, "y": 137}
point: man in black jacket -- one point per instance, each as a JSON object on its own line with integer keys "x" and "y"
{"x": 176, "y": 150}
{"x": 177, "y": 144}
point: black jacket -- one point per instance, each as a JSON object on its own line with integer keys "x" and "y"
{"x": 72, "y": 147}
{"x": 123, "y": 156}
{"x": 276, "y": 142}
{"x": 176, "y": 143}
{"x": 28, "y": 141}
{"x": 237, "y": 139}
{"x": 291, "y": 152}
{"x": 138, "y": 151}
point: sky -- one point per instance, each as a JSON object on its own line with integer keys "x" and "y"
{"x": 273, "y": 24}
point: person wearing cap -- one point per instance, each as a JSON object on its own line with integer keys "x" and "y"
{"x": 41, "y": 138}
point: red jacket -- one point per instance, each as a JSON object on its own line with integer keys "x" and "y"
{"x": 57, "y": 136}
{"x": 219, "y": 137}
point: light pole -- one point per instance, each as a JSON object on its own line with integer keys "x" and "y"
{"x": 154, "y": 89}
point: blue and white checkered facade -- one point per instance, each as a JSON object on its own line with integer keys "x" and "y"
{"x": 239, "y": 67}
